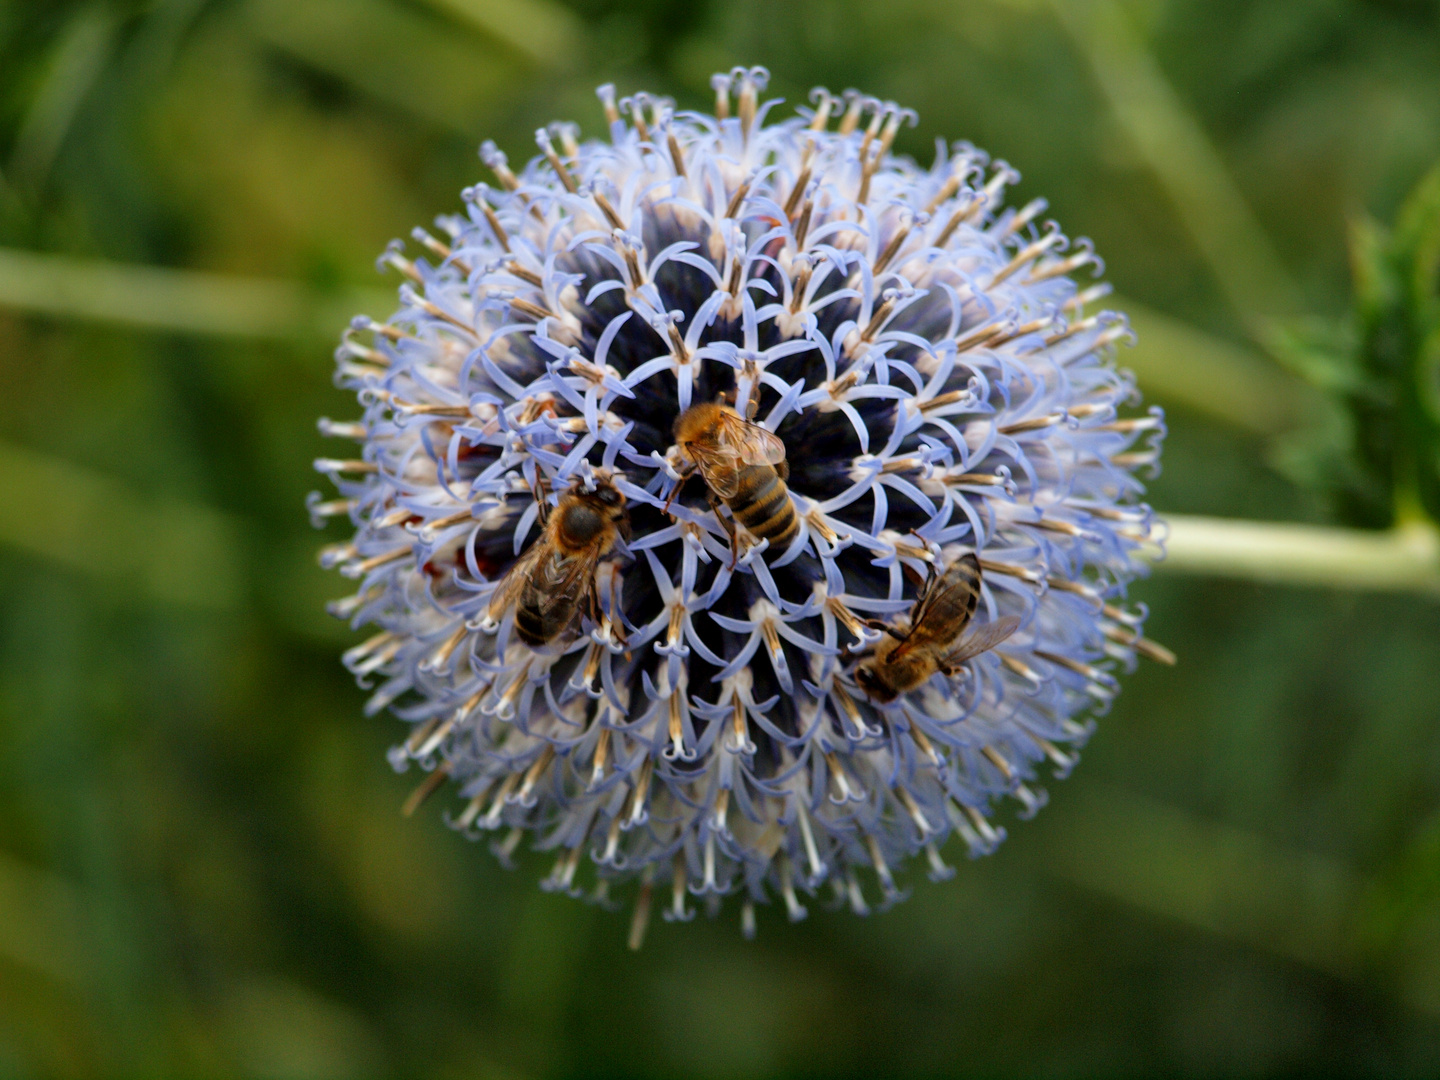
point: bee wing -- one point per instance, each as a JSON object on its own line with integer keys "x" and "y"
{"x": 957, "y": 588}
{"x": 981, "y": 639}
{"x": 751, "y": 443}
{"x": 720, "y": 466}
{"x": 562, "y": 580}
{"x": 508, "y": 591}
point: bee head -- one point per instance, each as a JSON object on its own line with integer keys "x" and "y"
{"x": 599, "y": 495}
{"x": 606, "y": 504}
{"x": 696, "y": 423}
{"x": 608, "y": 497}
{"x": 875, "y": 688}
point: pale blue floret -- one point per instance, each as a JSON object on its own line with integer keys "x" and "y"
{"x": 941, "y": 387}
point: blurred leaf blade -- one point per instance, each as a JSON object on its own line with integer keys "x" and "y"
{"x": 1220, "y": 879}
{"x": 165, "y": 551}
{"x": 1223, "y": 381}
{"x": 392, "y": 53}
{"x": 42, "y": 923}
{"x": 78, "y": 58}
{"x": 1173, "y": 144}
{"x": 545, "y": 32}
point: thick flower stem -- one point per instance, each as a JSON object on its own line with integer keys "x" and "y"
{"x": 1404, "y": 559}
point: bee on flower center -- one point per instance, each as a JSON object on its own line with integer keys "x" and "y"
{"x": 551, "y": 580}
{"x": 743, "y": 464}
{"x": 935, "y": 640}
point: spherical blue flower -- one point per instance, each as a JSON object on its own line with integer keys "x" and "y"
{"x": 941, "y": 388}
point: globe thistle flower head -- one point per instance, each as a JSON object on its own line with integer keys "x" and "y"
{"x": 942, "y": 395}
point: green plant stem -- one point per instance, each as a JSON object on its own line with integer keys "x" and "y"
{"x": 1173, "y": 360}
{"x": 185, "y": 301}
{"x": 1403, "y": 559}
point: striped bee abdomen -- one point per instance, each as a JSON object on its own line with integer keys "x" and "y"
{"x": 540, "y": 616}
{"x": 763, "y": 506}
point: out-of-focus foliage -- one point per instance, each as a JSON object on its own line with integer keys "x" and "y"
{"x": 204, "y": 871}
{"x": 1380, "y": 454}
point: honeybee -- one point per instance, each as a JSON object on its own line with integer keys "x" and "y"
{"x": 935, "y": 640}
{"x": 744, "y": 466}
{"x": 557, "y": 573}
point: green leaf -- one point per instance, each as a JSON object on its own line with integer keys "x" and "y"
{"x": 1321, "y": 352}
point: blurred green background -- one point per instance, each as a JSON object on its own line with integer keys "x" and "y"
{"x": 203, "y": 868}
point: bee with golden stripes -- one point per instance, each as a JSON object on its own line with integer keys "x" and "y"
{"x": 550, "y": 581}
{"x": 744, "y": 467}
{"x": 934, "y": 641}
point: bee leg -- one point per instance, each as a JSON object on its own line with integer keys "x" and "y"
{"x": 926, "y": 584}
{"x": 846, "y": 655}
{"x": 617, "y": 625}
{"x": 729, "y": 527}
{"x": 680, "y": 483}
{"x": 877, "y": 624}
{"x": 537, "y": 489}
